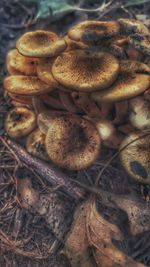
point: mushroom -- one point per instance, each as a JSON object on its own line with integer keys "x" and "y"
{"x": 35, "y": 144}
{"x": 130, "y": 83}
{"x": 40, "y": 44}
{"x": 139, "y": 113}
{"x": 108, "y": 133}
{"x": 26, "y": 195}
{"x": 92, "y": 32}
{"x": 130, "y": 26}
{"x": 135, "y": 156}
{"x": 67, "y": 102}
{"x": 26, "y": 85}
{"x": 25, "y": 99}
{"x": 44, "y": 72}
{"x": 45, "y": 118}
{"x": 18, "y": 64}
{"x": 72, "y": 45}
{"x": 19, "y": 122}
{"x": 85, "y": 104}
{"x": 85, "y": 70}
{"x": 141, "y": 43}
{"x": 72, "y": 142}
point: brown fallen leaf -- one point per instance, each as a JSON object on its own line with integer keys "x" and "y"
{"x": 76, "y": 245}
{"x": 100, "y": 234}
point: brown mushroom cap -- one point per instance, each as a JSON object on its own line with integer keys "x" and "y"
{"x": 93, "y": 31}
{"x": 44, "y": 72}
{"x": 135, "y": 158}
{"x": 40, "y": 44}
{"x": 19, "y": 122}
{"x": 35, "y": 144}
{"x": 130, "y": 83}
{"x": 72, "y": 142}
{"x": 18, "y": 64}
{"x": 85, "y": 70}
{"x": 132, "y": 26}
{"x": 26, "y": 85}
{"x": 139, "y": 113}
{"x": 141, "y": 43}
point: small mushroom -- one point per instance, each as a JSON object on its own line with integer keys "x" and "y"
{"x": 135, "y": 156}
{"x": 67, "y": 102}
{"x": 130, "y": 83}
{"x": 45, "y": 118}
{"x": 126, "y": 128}
{"x": 85, "y": 70}
{"x": 26, "y": 195}
{"x": 19, "y": 122}
{"x": 40, "y": 44}
{"x": 130, "y": 26}
{"x": 139, "y": 113}
{"x": 72, "y": 142}
{"x": 108, "y": 133}
{"x": 52, "y": 102}
{"x": 35, "y": 145}
{"x": 18, "y": 64}
{"x": 92, "y": 32}
{"x": 26, "y": 85}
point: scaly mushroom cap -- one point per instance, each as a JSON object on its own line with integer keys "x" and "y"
{"x": 140, "y": 113}
{"x": 45, "y": 118}
{"x": 19, "y": 122}
{"x": 18, "y": 64}
{"x": 93, "y": 31}
{"x": 130, "y": 82}
{"x": 141, "y": 43}
{"x": 85, "y": 70}
{"x": 72, "y": 142}
{"x": 135, "y": 158}
{"x": 40, "y": 44}
{"x": 35, "y": 144}
{"x": 26, "y": 85}
{"x": 131, "y": 26}
{"x": 44, "y": 72}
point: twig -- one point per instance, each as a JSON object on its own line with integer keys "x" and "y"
{"x": 47, "y": 171}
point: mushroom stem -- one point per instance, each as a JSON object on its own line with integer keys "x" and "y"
{"x": 121, "y": 112}
{"x": 48, "y": 171}
{"x": 38, "y": 105}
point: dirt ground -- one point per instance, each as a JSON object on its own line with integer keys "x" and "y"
{"x": 24, "y": 235}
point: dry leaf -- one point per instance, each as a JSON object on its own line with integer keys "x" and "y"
{"x": 76, "y": 245}
{"x": 100, "y": 235}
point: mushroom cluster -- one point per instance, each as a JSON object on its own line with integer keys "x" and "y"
{"x": 72, "y": 93}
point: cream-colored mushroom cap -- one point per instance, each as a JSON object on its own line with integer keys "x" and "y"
{"x": 72, "y": 142}
{"x": 85, "y": 70}
{"x": 130, "y": 83}
{"x": 93, "y": 31}
{"x": 35, "y": 144}
{"x": 26, "y": 85}
{"x": 139, "y": 113}
{"x": 135, "y": 158}
{"x": 19, "y": 122}
{"x": 18, "y": 64}
{"x": 132, "y": 26}
{"x": 40, "y": 44}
